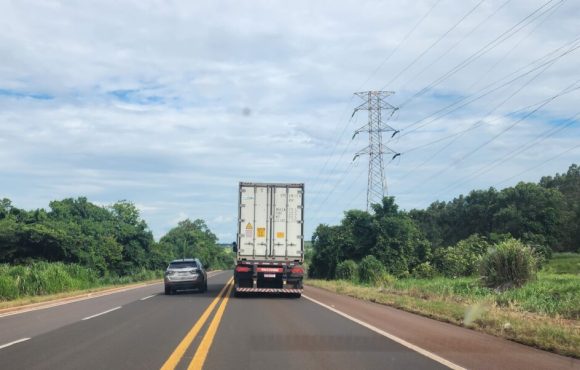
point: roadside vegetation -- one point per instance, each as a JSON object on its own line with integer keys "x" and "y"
{"x": 502, "y": 262}
{"x": 543, "y": 314}
{"x": 78, "y": 245}
{"x": 49, "y": 278}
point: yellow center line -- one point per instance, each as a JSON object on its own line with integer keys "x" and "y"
{"x": 179, "y": 351}
{"x": 203, "y": 349}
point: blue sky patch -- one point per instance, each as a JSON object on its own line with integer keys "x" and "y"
{"x": 22, "y": 94}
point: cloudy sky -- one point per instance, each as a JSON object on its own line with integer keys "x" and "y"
{"x": 169, "y": 104}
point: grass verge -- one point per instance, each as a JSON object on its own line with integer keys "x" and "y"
{"x": 464, "y": 303}
{"x": 33, "y": 283}
{"x": 30, "y": 300}
{"x": 564, "y": 263}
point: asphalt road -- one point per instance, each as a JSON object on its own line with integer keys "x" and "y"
{"x": 142, "y": 328}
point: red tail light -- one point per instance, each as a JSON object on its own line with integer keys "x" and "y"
{"x": 242, "y": 269}
{"x": 297, "y": 270}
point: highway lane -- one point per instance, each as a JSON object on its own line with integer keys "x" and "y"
{"x": 39, "y": 321}
{"x": 291, "y": 333}
{"x": 16, "y": 325}
{"x": 258, "y": 332}
{"x": 140, "y": 335}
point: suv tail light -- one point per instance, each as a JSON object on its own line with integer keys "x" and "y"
{"x": 298, "y": 270}
{"x": 242, "y": 269}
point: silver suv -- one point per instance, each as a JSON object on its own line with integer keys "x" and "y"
{"x": 186, "y": 273}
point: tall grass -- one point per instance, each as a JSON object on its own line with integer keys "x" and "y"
{"x": 41, "y": 278}
{"x": 509, "y": 264}
{"x": 564, "y": 263}
{"x": 550, "y": 294}
{"x": 555, "y": 295}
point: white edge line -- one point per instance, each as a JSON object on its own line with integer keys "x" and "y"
{"x": 85, "y": 297}
{"x": 403, "y": 342}
{"x": 16, "y": 341}
{"x": 149, "y": 296}
{"x": 102, "y": 313}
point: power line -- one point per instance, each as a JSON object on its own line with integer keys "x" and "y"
{"x": 457, "y": 135}
{"x": 539, "y": 165}
{"x": 567, "y": 90}
{"x": 479, "y": 147}
{"x": 405, "y": 38}
{"x": 480, "y": 122}
{"x": 545, "y": 102}
{"x": 344, "y": 114}
{"x": 355, "y": 177}
{"x": 489, "y": 46}
{"x": 516, "y": 46}
{"x": 401, "y": 42}
{"x": 416, "y": 75}
{"x": 472, "y": 98}
{"x": 328, "y": 194}
{"x": 441, "y": 38}
{"x": 543, "y": 136}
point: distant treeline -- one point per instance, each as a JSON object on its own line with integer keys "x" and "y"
{"x": 111, "y": 240}
{"x": 451, "y": 235}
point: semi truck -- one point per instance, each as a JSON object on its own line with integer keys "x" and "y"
{"x": 270, "y": 239}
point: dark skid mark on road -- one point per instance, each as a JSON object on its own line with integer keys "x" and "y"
{"x": 316, "y": 343}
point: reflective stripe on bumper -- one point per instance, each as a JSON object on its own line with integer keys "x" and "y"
{"x": 267, "y": 290}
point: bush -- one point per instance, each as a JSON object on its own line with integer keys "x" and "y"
{"x": 463, "y": 258}
{"x": 449, "y": 262}
{"x": 8, "y": 288}
{"x": 347, "y": 270}
{"x": 424, "y": 271}
{"x": 540, "y": 246}
{"x": 510, "y": 264}
{"x": 371, "y": 270}
{"x": 386, "y": 279}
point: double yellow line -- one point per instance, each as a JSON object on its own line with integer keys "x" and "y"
{"x": 203, "y": 348}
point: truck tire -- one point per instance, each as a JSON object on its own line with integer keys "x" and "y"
{"x": 167, "y": 290}
{"x": 204, "y": 289}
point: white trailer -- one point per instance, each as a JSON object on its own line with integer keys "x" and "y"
{"x": 270, "y": 238}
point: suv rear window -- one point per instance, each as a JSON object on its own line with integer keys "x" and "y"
{"x": 182, "y": 264}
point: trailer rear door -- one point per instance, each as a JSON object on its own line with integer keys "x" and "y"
{"x": 271, "y": 221}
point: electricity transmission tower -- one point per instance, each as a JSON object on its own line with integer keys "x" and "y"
{"x": 375, "y": 103}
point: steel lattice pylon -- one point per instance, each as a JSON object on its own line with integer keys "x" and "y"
{"x": 375, "y": 103}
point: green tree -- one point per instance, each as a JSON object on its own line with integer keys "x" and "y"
{"x": 193, "y": 239}
{"x": 530, "y": 208}
{"x": 327, "y": 251}
{"x": 569, "y": 185}
{"x": 398, "y": 239}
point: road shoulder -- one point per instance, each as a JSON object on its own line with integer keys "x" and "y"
{"x": 465, "y": 347}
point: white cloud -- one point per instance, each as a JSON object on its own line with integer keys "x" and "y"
{"x": 170, "y": 104}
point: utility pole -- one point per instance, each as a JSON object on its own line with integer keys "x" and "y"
{"x": 375, "y": 103}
